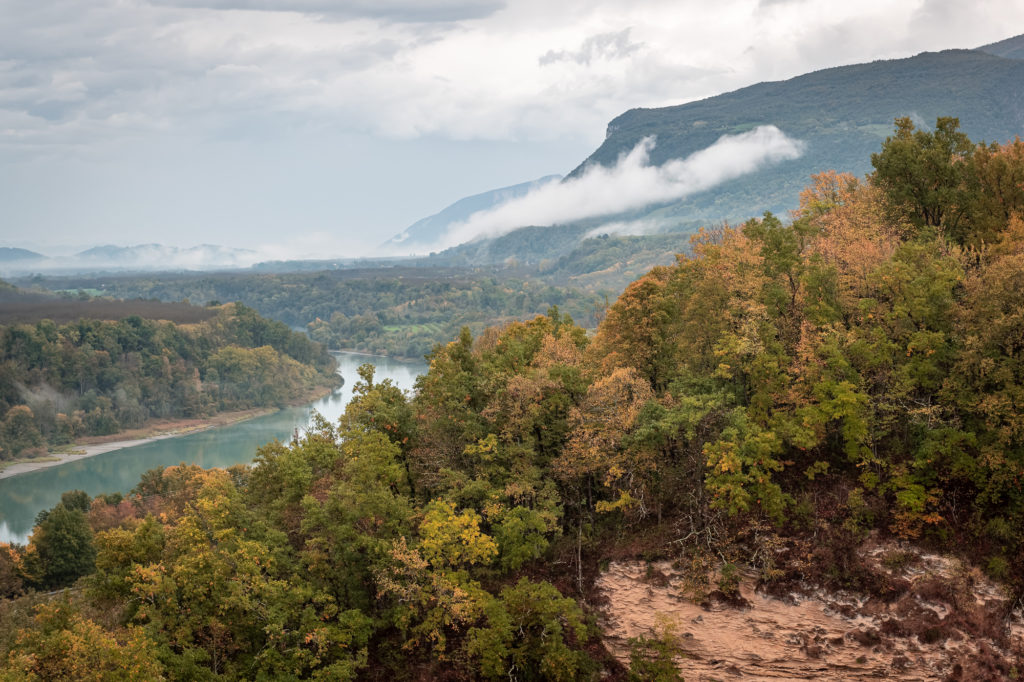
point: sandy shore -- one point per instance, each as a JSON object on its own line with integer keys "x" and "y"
{"x": 84, "y": 451}
{"x": 129, "y": 439}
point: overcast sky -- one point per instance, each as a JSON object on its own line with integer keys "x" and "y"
{"x": 322, "y": 128}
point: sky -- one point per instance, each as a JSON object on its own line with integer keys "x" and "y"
{"x": 315, "y": 128}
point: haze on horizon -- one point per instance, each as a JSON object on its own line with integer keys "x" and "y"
{"x": 315, "y": 128}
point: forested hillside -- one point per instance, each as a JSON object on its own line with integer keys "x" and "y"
{"x": 762, "y": 406}
{"x": 59, "y": 382}
{"x": 401, "y": 311}
{"x": 582, "y": 255}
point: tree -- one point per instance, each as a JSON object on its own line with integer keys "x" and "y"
{"x": 428, "y": 604}
{"x": 381, "y": 407}
{"x": 597, "y": 444}
{"x": 922, "y": 174}
{"x": 448, "y": 403}
{"x": 19, "y": 432}
{"x": 355, "y": 514}
{"x": 63, "y": 646}
{"x": 11, "y": 582}
{"x": 61, "y": 548}
{"x": 635, "y": 332}
{"x": 995, "y": 192}
{"x": 740, "y": 467}
{"x": 450, "y": 539}
{"x": 531, "y": 632}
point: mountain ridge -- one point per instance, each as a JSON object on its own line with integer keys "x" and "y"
{"x": 1010, "y": 48}
{"x": 8, "y": 254}
{"x": 888, "y": 100}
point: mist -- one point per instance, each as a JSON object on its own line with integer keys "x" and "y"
{"x": 632, "y": 183}
{"x": 627, "y": 228}
{"x": 165, "y": 258}
{"x": 138, "y": 258}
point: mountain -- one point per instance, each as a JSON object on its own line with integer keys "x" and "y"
{"x": 1011, "y": 48}
{"x": 423, "y": 235}
{"x": 8, "y": 254}
{"x": 842, "y": 115}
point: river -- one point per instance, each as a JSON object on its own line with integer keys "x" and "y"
{"x": 24, "y": 496}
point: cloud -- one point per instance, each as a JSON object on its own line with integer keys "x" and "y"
{"x": 76, "y": 74}
{"x": 936, "y": 15}
{"x": 82, "y": 73}
{"x": 614, "y": 45}
{"x": 412, "y": 11}
{"x": 79, "y": 76}
{"x": 631, "y": 184}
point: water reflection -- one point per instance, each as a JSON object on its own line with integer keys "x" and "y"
{"x": 22, "y": 497}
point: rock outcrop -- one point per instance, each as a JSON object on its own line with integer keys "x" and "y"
{"x": 942, "y": 620}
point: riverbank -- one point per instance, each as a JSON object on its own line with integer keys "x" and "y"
{"x": 397, "y": 358}
{"x": 153, "y": 431}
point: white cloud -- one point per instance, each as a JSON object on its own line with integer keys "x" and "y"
{"x": 462, "y": 69}
{"x": 394, "y": 10}
{"x": 83, "y": 73}
{"x": 631, "y": 184}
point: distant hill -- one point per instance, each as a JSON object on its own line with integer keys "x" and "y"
{"x": 160, "y": 256}
{"x": 842, "y": 114}
{"x": 139, "y": 258}
{"x": 423, "y": 235}
{"x": 8, "y": 254}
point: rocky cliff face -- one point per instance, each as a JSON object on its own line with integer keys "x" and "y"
{"x": 940, "y": 620}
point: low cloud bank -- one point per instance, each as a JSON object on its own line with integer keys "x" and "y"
{"x": 631, "y": 184}
{"x": 139, "y": 258}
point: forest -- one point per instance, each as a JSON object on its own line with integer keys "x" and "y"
{"x": 400, "y": 311}
{"x": 780, "y": 393}
{"x": 94, "y": 377}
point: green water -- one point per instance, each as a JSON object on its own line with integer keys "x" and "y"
{"x": 24, "y": 496}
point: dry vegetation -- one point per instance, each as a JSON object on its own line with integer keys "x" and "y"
{"x": 32, "y": 308}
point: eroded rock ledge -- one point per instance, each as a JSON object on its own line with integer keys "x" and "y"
{"x": 945, "y": 621}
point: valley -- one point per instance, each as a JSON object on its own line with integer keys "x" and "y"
{"x": 741, "y": 403}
